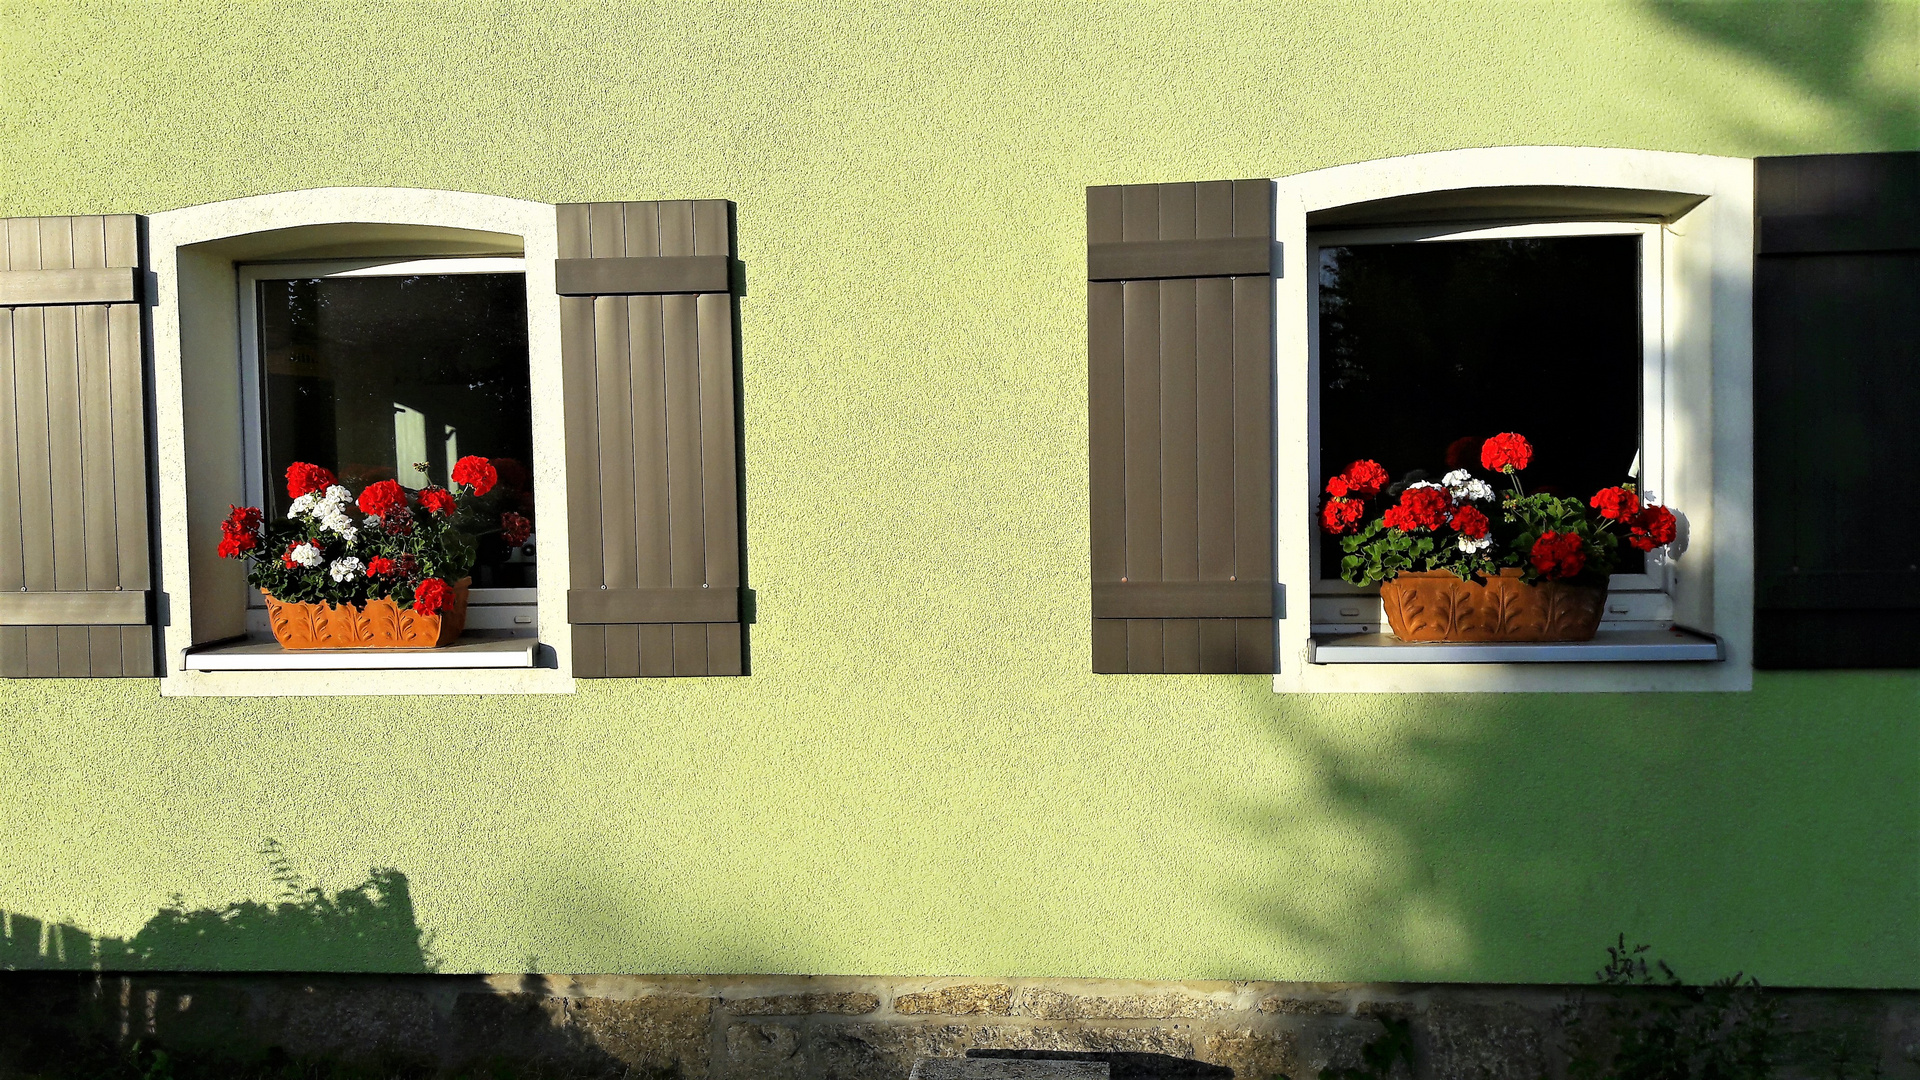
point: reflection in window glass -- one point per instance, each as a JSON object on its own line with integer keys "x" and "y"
{"x": 396, "y": 378}
{"x": 1426, "y": 349}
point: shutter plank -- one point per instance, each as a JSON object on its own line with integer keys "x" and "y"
{"x": 1141, "y": 380}
{"x": 686, "y": 481}
{"x": 13, "y": 639}
{"x": 1179, "y": 486}
{"x": 646, "y": 332}
{"x": 720, "y": 498}
{"x": 97, "y": 492}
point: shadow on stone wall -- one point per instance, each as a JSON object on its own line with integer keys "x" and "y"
{"x": 368, "y": 927}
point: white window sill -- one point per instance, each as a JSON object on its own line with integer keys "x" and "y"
{"x": 471, "y": 651}
{"x": 1608, "y": 646}
{"x": 476, "y": 664}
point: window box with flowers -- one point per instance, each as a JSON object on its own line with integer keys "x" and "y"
{"x": 396, "y": 577}
{"x": 1457, "y": 564}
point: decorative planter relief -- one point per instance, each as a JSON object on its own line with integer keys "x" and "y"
{"x": 377, "y": 624}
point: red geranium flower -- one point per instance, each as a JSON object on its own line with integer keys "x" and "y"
{"x": 1506, "y": 451}
{"x": 303, "y": 479}
{"x": 383, "y": 498}
{"x": 380, "y": 566}
{"x": 1337, "y": 487}
{"x": 1341, "y": 515}
{"x": 477, "y": 473}
{"x": 430, "y": 596}
{"x": 1558, "y": 555}
{"x": 515, "y": 529}
{"x": 1419, "y": 508}
{"x": 436, "y": 500}
{"x": 1365, "y": 478}
{"x": 1616, "y": 503}
{"x": 1469, "y": 522}
{"x": 286, "y": 556}
{"x": 1652, "y": 527}
{"x": 240, "y": 532}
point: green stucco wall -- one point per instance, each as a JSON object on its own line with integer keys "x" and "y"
{"x": 921, "y": 776}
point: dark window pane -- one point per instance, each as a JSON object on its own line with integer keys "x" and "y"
{"x": 1426, "y": 349}
{"x": 373, "y": 376}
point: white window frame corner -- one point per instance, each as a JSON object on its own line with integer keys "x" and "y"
{"x": 1698, "y": 460}
{"x": 201, "y": 441}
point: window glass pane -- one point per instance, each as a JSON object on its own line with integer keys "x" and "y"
{"x": 1426, "y": 349}
{"x": 397, "y": 378}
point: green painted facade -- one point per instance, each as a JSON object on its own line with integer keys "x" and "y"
{"x": 921, "y": 776}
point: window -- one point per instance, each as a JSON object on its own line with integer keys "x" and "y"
{"x": 388, "y": 329}
{"x": 375, "y": 369}
{"x": 1598, "y": 298}
{"x": 1430, "y": 340}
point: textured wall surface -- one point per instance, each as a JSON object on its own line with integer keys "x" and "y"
{"x": 922, "y": 777}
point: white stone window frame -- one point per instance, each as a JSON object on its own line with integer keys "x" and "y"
{"x": 1702, "y": 210}
{"x": 201, "y": 367}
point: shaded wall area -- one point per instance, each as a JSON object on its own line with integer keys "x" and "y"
{"x": 364, "y": 927}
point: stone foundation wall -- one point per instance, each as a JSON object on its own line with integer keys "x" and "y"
{"x": 797, "y": 1028}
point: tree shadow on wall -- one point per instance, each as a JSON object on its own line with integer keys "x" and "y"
{"x": 1824, "y": 49}
{"x": 367, "y": 927}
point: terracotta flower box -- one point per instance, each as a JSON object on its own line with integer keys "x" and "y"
{"x": 377, "y": 624}
{"x": 1436, "y": 605}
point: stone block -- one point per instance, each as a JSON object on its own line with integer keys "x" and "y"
{"x": 969, "y": 999}
{"x": 1252, "y": 1055}
{"x": 832, "y": 1004}
{"x": 1296, "y": 1006}
{"x": 1044, "y": 1004}
{"x": 1007, "y": 1069}
{"x": 490, "y": 1026}
{"x": 347, "y": 1021}
{"x": 1096, "y": 1039}
{"x": 1486, "y": 1042}
{"x": 764, "y": 1051}
{"x": 880, "y": 1051}
{"x": 659, "y": 1033}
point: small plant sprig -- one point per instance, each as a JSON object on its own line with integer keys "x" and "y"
{"x": 1667, "y": 1029}
{"x": 1453, "y": 525}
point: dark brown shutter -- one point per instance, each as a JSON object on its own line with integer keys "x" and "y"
{"x": 75, "y": 570}
{"x": 648, "y": 345}
{"x": 1180, "y": 426}
{"x": 1837, "y": 411}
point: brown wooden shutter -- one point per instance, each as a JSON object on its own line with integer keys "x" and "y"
{"x": 75, "y": 570}
{"x": 648, "y": 335}
{"x": 1180, "y": 426}
{"x": 1836, "y": 396}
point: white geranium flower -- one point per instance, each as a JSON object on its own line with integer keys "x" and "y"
{"x": 346, "y": 568}
{"x": 1464, "y": 488}
{"x": 334, "y": 519}
{"x": 337, "y": 495}
{"x": 371, "y": 521}
{"x": 1421, "y": 484}
{"x": 308, "y": 554}
{"x": 303, "y": 504}
{"x": 1474, "y": 547}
